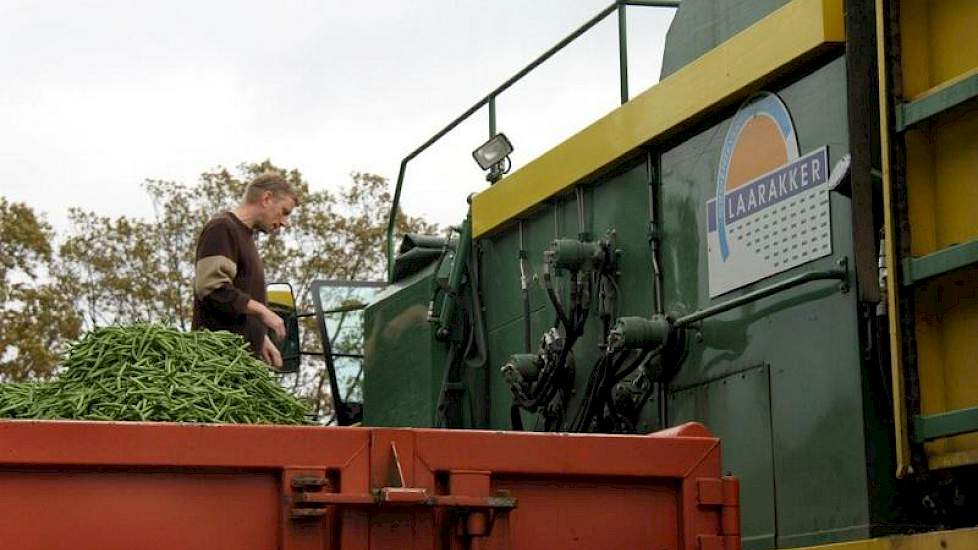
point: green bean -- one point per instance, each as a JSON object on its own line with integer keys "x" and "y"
{"x": 150, "y": 372}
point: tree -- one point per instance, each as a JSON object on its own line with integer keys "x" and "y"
{"x": 37, "y": 318}
{"x": 127, "y": 270}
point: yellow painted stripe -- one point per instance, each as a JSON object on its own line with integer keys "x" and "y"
{"x": 901, "y": 431}
{"x": 722, "y": 75}
{"x": 958, "y": 539}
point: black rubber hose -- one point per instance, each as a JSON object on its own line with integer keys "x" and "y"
{"x": 643, "y": 357}
{"x": 615, "y": 376}
{"x": 478, "y": 323}
{"x": 575, "y": 425}
{"x": 556, "y": 302}
{"x": 596, "y": 390}
{"x": 515, "y": 419}
{"x": 527, "y": 337}
{"x": 546, "y": 387}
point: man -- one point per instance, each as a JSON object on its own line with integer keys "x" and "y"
{"x": 229, "y": 277}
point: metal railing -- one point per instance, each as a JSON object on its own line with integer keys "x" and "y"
{"x": 839, "y": 274}
{"x": 490, "y": 99}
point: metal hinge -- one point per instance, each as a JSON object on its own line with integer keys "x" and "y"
{"x": 724, "y": 493}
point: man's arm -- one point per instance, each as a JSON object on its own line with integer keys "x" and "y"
{"x": 268, "y": 317}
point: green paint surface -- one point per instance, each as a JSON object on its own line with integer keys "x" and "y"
{"x": 403, "y": 362}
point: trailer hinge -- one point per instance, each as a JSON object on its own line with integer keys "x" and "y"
{"x": 723, "y": 492}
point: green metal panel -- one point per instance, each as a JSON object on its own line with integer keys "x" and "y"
{"x": 737, "y": 408}
{"x": 619, "y": 204}
{"x": 504, "y": 341}
{"x": 403, "y": 363}
{"x": 700, "y": 26}
{"x": 809, "y": 335}
{"x": 501, "y": 293}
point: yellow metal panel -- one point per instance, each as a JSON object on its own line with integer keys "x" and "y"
{"x": 952, "y": 302}
{"x": 722, "y": 75}
{"x": 938, "y": 46}
{"x": 938, "y": 42}
{"x": 959, "y": 539}
{"x": 953, "y": 42}
{"x": 946, "y": 321}
{"x": 913, "y": 46}
{"x": 955, "y": 138}
{"x": 921, "y": 193}
{"x": 953, "y": 460}
{"x": 956, "y": 171}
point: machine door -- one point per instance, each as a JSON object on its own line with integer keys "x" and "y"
{"x": 338, "y": 310}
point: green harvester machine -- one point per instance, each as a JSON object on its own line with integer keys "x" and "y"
{"x": 757, "y": 243}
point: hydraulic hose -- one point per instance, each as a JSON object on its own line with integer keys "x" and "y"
{"x": 478, "y": 323}
{"x": 595, "y": 384}
{"x": 545, "y": 389}
{"x": 645, "y": 356}
{"x": 527, "y": 334}
{"x": 548, "y": 284}
{"x": 478, "y": 337}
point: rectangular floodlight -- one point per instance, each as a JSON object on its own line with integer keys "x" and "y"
{"x": 493, "y": 151}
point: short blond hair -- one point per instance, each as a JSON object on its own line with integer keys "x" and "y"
{"x": 269, "y": 181}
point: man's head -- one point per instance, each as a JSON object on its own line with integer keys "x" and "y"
{"x": 272, "y": 199}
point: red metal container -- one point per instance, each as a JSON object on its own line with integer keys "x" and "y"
{"x": 109, "y": 486}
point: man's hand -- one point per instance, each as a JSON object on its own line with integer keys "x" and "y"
{"x": 274, "y": 323}
{"x": 270, "y": 354}
{"x": 269, "y": 318}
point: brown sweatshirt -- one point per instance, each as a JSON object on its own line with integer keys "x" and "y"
{"x": 228, "y": 272}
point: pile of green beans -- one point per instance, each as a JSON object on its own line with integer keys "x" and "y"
{"x": 16, "y": 398}
{"x": 156, "y": 373}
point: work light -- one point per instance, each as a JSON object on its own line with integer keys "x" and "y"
{"x": 493, "y": 151}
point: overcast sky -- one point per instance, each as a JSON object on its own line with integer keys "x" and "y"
{"x": 97, "y": 96}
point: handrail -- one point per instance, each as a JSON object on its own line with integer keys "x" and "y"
{"x": 839, "y": 274}
{"x": 490, "y": 99}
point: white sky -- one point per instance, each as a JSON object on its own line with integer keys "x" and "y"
{"x": 96, "y": 96}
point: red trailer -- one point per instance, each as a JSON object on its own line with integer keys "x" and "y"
{"x": 106, "y": 486}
